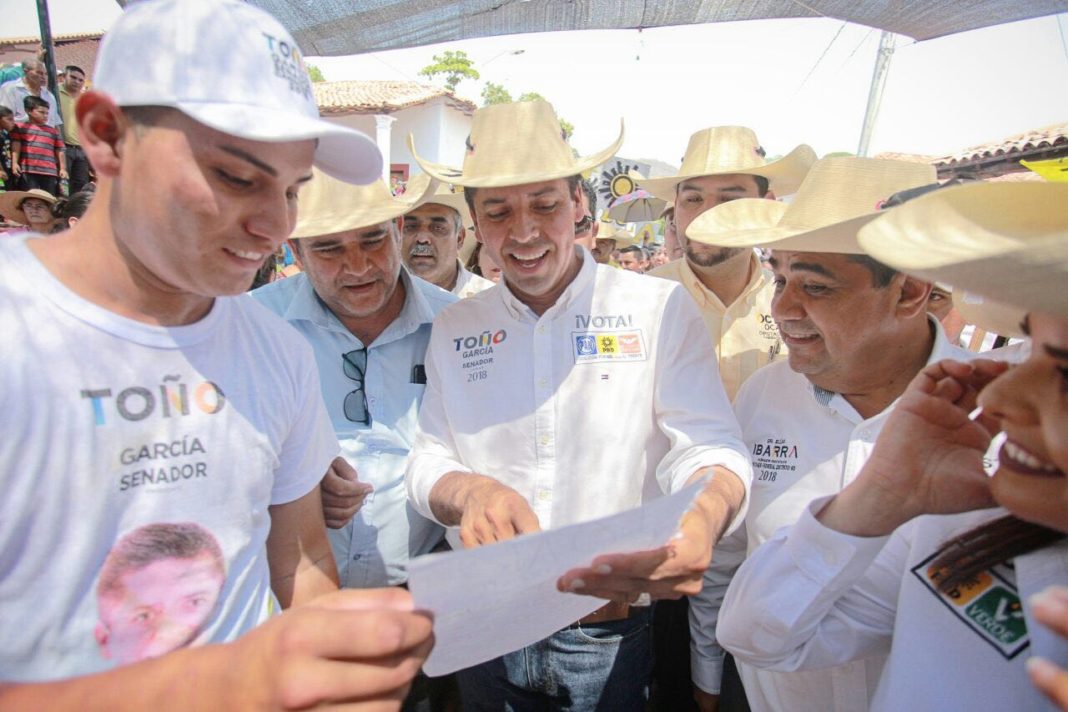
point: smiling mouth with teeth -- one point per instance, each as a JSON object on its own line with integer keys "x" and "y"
{"x": 252, "y": 256}
{"x": 1020, "y": 460}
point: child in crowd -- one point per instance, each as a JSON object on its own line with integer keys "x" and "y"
{"x": 37, "y": 150}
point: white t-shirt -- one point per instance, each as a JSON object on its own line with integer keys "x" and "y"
{"x": 811, "y": 598}
{"x": 173, "y": 440}
{"x": 608, "y": 399}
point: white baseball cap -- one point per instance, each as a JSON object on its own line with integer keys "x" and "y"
{"x": 229, "y": 66}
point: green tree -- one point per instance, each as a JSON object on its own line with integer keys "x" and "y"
{"x": 315, "y": 74}
{"x": 495, "y": 94}
{"x": 455, "y": 66}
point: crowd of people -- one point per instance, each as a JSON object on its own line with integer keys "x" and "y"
{"x": 291, "y": 382}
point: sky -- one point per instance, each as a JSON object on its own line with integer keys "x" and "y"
{"x": 793, "y": 81}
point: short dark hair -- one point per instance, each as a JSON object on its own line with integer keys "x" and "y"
{"x": 4, "y": 111}
{"x": 74, "y": 68}
{"x": 591, "y": 197}
{"x": 762, "y": 185}
{"x": 633, "y": 248}
{"x": 74, "y": 206}
{"x": 572, "y": 185}
{"x": 32, "y": 102}
{"x": 881, "y": 275}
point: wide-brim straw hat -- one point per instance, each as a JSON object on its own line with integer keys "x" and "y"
{"x": 988, "y": 315}
{"x": 515, "y": 144}
{"x": 328, "y": 206}
{"x": 1007, "y": 242}
{"x": 839, "y": 196}
{"x": 749, "y": 215}
{"x": 11, "y": 203}
{"x": 729, "y": 150}
{"x": 608, "y": 230}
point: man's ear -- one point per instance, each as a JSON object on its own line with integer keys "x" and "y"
{"x": 295, "y": 249}
{"x": 460, "y": 237}
{"x": 913, "y": 296}
{"x": 478, "y": 232}
{"x": 101, "y": 130}
{"x": 770, "y": 195}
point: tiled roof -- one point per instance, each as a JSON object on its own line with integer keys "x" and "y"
{"x": 56, "y": 39}
{"x": 1025, "y": 143}
{"x": 362, "y": 97}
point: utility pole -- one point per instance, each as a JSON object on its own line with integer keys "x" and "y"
{"x": 46, "y": 42}
{"x": 875, "y": 93}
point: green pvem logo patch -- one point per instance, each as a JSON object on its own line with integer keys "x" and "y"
{"x": 988, "y": 604}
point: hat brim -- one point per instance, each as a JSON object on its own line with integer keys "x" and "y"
{"x": 11, "y": 201}
{"x": 991, "y": 316}
{"x": 1005, "y": 241}
{"x": 840, "y": 237}
{"x": 341, "y": 152}
{"x": 784, "y": 175}
{"x": 752, "y": 216}
{"x": 449, "y": 174}
{"x": 339, "y": 216}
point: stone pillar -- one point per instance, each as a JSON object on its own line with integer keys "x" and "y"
{"x": 383, "y": 134}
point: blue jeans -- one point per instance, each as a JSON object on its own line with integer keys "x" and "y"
{"x": 604, "y": 667}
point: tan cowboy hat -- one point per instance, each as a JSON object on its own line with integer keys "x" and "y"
{"x": 988, "y": 315}
{"x": 748, "y": 215}
{"x": 609, "y": 230}
{"x": 726, "y": 150}
{"x": 838, "y": 197}
{"x": 11, "y": 203}
{"x": 1005, "y": 241}
{"x": 328, "y": 205}
{"x": 515, "y": 144}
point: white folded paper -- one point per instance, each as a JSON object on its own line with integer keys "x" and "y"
{"x": 499, "y": 598}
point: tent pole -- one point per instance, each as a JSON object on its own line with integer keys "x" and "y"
{"x": 875, "y": 93}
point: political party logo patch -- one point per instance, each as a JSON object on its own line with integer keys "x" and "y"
{"x": 602, "y": 346}
{"x": 988, "y": 604}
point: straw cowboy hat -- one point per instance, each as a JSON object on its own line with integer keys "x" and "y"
{"x": 11, "y": 203}
{"x": 726, "y": 150}
{"x": 515, "y": 144}
{"x": 837, "y": 198}
{"x": 748, "y": 215}
{"x": 1005, "y": 241}
{"x": 609, "y": 230}
{"x": 328, "y": 205}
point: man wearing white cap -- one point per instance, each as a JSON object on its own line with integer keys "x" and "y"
{"x": 507, "y": 445}
{"x": 433, "y": 235}
{"x": 731, "y": 289}
{"x": 857, "y": 333}
{"x": 141, "y": 394}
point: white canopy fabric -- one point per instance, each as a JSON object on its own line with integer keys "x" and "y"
{"x": 342, "y": 27}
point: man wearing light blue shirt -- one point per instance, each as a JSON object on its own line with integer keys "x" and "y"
{"x": 368, "y": 321}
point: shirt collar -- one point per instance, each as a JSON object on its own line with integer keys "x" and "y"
{"x": 463, "y": 276}
{"x": 306, "y": 306}
{"x": 941, "y": 349}
{"x": 757, "y": 278}
{"x": 583, "y": 280}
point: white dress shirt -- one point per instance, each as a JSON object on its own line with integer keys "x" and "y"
{"x": 812, "y": 597}
{"x": 12, "y": 94}
{"x": 805, "y": 443}
{"x": 374, "y": 548}
{"x": 609, "y": 399}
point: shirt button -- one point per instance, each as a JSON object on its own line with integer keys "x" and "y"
{"x": 542, "y": 383}
{"x": 541, "y": 329}
{"x": 544, "y": 495}
{"x": 544, "y": 439}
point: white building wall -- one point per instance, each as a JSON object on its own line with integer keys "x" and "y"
{"x": 440, "y": 133}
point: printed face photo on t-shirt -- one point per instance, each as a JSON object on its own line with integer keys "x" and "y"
{"x": 158, "y": 588}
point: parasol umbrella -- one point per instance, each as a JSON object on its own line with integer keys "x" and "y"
{"x": 638, "y": 206}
